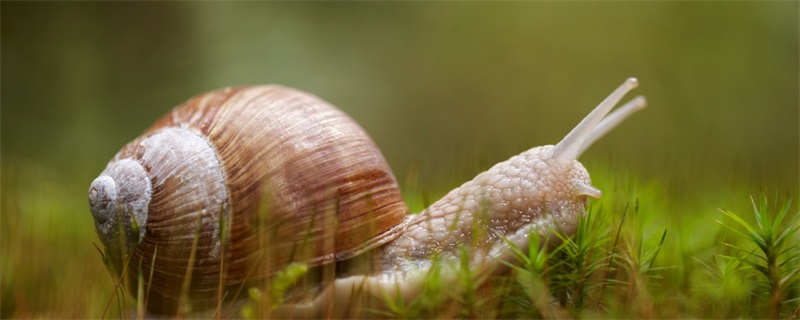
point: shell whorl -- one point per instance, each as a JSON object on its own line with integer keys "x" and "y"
{"x": 176, "y": 190}
{"x": 118, "y": 199}
{"x": 250, "y": 179}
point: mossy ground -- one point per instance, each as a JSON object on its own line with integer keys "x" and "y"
{"x": 637, "y": 254}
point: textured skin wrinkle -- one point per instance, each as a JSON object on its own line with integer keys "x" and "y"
{"x": 500, "y": 202}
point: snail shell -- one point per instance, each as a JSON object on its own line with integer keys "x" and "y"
{"x": 235, "y": 184}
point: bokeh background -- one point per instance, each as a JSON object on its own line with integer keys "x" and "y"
{"x": 445, "y": 89}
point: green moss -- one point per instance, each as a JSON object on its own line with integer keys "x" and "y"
{"x": 637, "y": 253}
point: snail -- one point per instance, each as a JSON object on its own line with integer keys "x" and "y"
{"x": 234, "y": 185}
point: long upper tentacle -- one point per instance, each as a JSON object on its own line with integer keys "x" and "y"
{"x": 571, "y": 146}
{"x": 612, "y": 120}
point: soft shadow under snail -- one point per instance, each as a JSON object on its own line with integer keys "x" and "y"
{"x": 235, "y": 184}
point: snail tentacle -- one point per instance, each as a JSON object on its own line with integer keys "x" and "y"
{"x": 614, "y": 119}
{"x": 571, "y": 146}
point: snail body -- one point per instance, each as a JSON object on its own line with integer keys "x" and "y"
{"x": 235, "y": 184}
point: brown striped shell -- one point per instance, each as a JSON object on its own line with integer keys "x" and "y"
{"x": 234, "y": 184}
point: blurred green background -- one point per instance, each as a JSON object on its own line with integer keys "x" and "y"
{"x": 445, "y": 89}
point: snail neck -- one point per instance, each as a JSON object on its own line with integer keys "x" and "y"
{"x": 531, "y": 192}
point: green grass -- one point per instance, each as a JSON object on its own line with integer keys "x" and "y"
{"x": 639, "y": 253}
{"x": 49, "y": 267}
